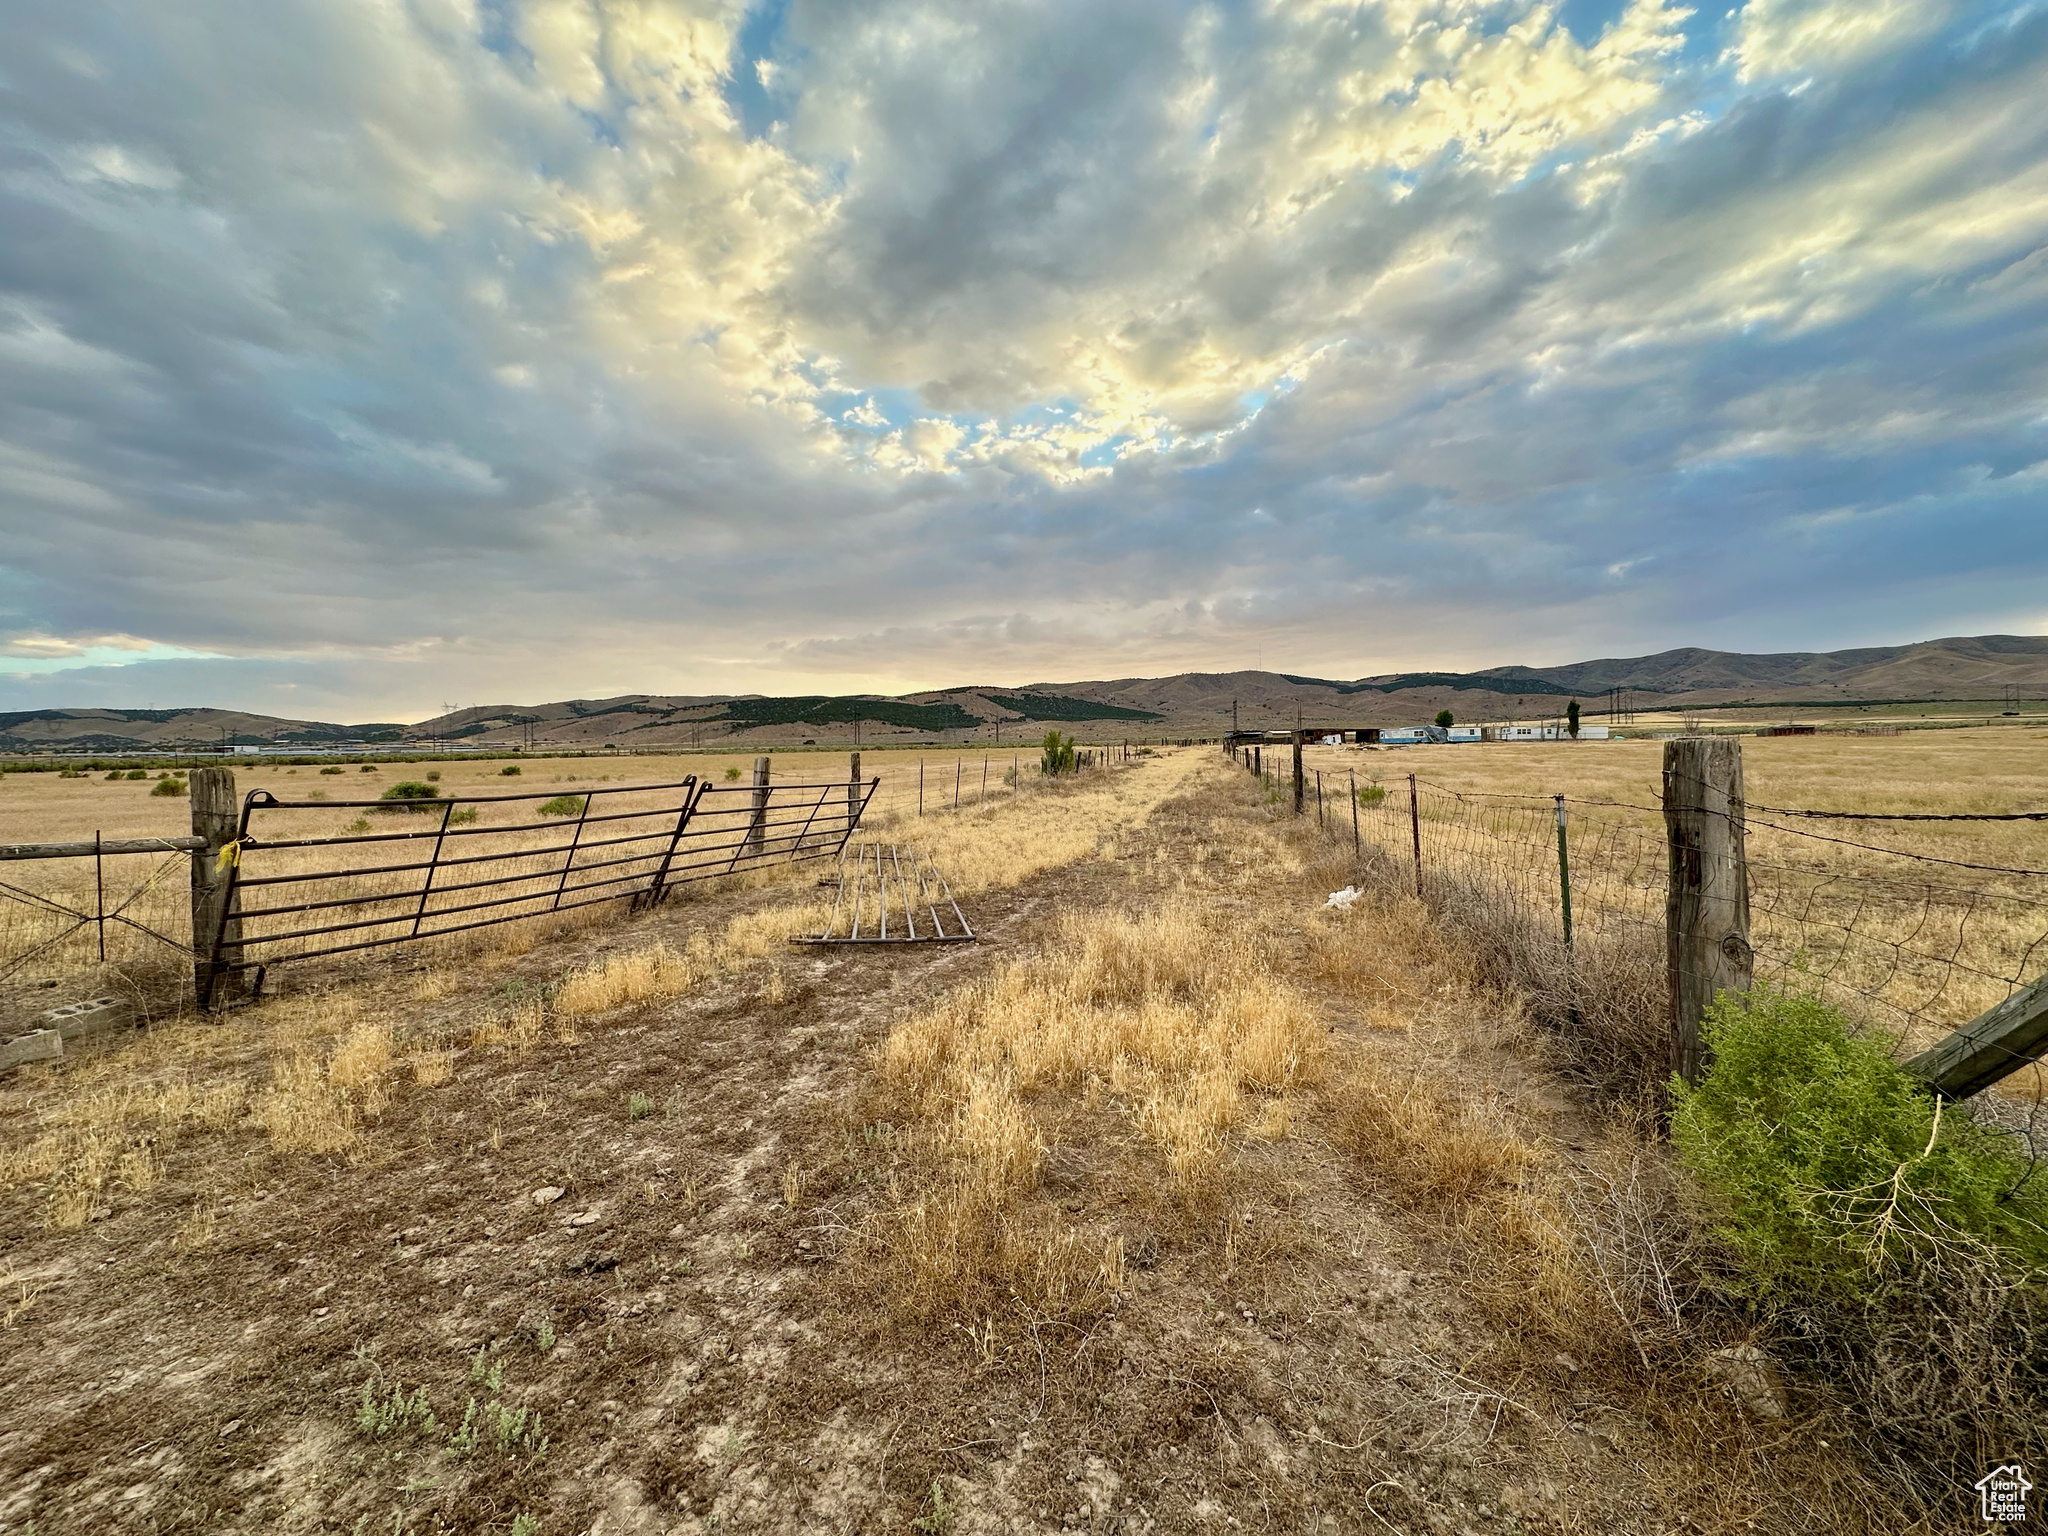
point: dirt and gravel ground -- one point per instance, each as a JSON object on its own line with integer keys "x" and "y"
{"x": 641, "y": 1271}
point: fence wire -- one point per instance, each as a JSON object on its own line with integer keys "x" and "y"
{"x": 1909, "y": 945}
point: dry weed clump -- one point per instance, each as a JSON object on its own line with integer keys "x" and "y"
{"x": 1174, "y": 1021}
{"x": 111, "y": 1138}
{"x": 618, "y": 980}
{"x": 953, "y": 1255}
{"x": 1441, "y": 1149}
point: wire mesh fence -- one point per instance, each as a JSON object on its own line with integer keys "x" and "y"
{"x": 118, "y": 914}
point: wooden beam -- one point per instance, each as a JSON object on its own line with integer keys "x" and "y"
{"x": 111, "y": 845}
{"x": 1997, "y": 1042}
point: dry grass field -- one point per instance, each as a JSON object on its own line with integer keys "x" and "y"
{"x": 1181, "y": 1202}
{"x": 1914, "y": 927}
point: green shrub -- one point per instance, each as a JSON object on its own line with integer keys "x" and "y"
{"x": 1056, "y": 754}
{"x": 367, "y": 768}
{"x": 168, "y": 787}
{"x": 1371, "y": 794}
{"x": 433, "y": 776}
{"x": 1829, "y": 1158}
{"x": 70, "y": 773}
{"x": 1445, "y": 719}
{"x": 732, "y": 775}
{"x": 563, "y": 805}
{"x": 509, "y": 771}
{"x": 113, "y": 776}
{"x": 408, "y": 795}
{"x": 463, "y": 817}
{"x": 138, "y": 773}
{"x": 397, "y": 1413}
{"x": 337, "y": 768}
{"x": 1892, "y": 1245}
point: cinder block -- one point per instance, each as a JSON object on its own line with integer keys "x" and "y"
{"x": 40, "y": 1045}
{"x": 94, "y": 1016}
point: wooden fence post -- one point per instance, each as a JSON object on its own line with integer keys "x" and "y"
{"x": 1415, "y": 831}
{"x": 1706, "y": 906}
{"x": 1298, "y": 786}
{"x": 852, "y": 794}
{"x": 757, "y": 830}
{"x": 214, "y": 927}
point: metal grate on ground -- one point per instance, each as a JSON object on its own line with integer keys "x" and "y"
{"x": 884, "y": 892}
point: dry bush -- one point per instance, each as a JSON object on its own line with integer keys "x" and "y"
{"x": 1604, "y": 1257}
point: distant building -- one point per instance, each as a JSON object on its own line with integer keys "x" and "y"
{"x": 1548, "y": 730}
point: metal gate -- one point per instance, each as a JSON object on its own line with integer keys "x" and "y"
{"x": 471, "y": 861}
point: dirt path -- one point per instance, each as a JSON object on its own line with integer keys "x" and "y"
{"x": 698, "y": 1332}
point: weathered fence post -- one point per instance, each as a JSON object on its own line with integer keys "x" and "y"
{"x": 1321, "y": 821}
{"x": 1354, "y": 810}
{"x": 1564, "y": 871}
{"x": 852, "y": 794}
{"x": 1706, "y": 906}
{"x": 1415, "y": 831}
{"x": 1298, "y": 786}
{"x": 757, "y": 829}
{"x": 214, "y": 928}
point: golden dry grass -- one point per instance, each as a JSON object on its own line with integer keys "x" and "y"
{"x": 1181, "y": 1021}
{"x": 617, "y": 980}
{"x": 331, "y": 1069}
{"x": 1908, "y": 947}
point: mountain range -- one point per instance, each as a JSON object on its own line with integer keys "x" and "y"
{"x": 1186, "y": 704}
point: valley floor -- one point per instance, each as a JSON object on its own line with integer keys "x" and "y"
{"x": 740, "y": 1257}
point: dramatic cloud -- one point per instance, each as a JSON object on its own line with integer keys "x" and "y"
{"x": 376, "y": 355}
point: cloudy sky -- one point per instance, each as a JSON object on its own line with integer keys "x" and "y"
{"x": 358, "y": 356}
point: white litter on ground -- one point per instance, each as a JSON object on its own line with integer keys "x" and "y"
{"x": 1342, "y": 900}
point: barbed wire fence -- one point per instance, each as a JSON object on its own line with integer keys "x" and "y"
{"x": 1564, "y": 898}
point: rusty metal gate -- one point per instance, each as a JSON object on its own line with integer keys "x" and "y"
{"x": 477, "y": 860}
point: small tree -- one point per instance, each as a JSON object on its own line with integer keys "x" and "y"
{"x": 1571, "y": 719}
{"x": 1056, "y": 754}
{"x": 1445, "y": 719}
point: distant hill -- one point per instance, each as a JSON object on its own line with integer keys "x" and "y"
{"x": 1187, "y": 704}
{"x": 126, "y": 730}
